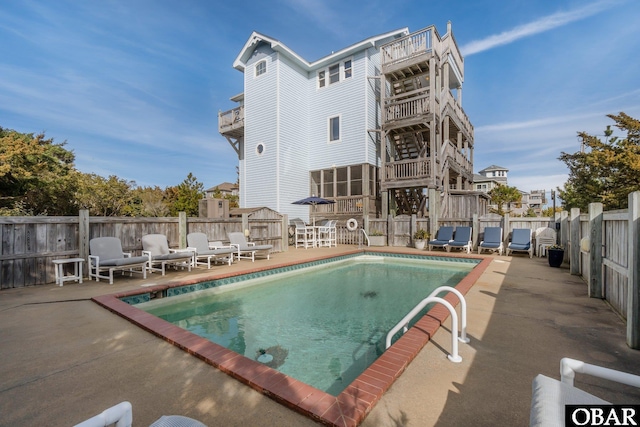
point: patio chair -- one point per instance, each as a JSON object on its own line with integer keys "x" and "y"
{"x": 521, "y": 241}
{"x": 492, "y": 240}
{"x": 545, "y": 237}
{"x": 203, "y": 254}
{"x": 443, "y": 237}
{"x": 304, "y": 234}
{"x": 156, "y": 247}
{"x": 248, "y": 250}
{"x": 326, "y": 234}
{"x": 121, "y": 415}
{"x": 106, "y": 255}
{"x": 461, "y": 239}
{"x": 550, "y": 396}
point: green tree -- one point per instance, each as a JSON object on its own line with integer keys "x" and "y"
{"x": 504, "y": 195}
{"x": 185, "y": 197}
{"x": 151, "y": 202}
{"x": 604, "y": 172}
{"x": 112, "y": 196}
{"x": 37, "y": 176}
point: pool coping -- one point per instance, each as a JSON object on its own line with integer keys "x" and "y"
{"x": 347, "y": 409}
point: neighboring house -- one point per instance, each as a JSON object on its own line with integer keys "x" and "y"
{"x": 489, "y": 178}
{"x": 226, "y": 189}
{"x": 375, "y": 127}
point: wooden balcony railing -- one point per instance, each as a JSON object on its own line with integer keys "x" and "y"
{"x": 231, "y": 120}
{"x": 406, "y": 108}
{"x": 345, "y": 205}
{"x": 407, "y": 47}
{"x": 448, "y": 100}
{"x": 407, "y": 169}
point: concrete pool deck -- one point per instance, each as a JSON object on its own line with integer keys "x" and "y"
{"x": 63, "y": 358}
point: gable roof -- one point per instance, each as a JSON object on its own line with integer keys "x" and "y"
{"x": 494, "y": 168}
{"x": 276, "y": 45}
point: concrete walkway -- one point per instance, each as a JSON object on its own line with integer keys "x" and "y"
{"x": 64, "y": 359}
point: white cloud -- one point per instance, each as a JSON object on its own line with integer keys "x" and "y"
{"x": 541, "y": 25}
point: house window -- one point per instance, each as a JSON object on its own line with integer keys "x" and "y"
{"x": 356, "y": 181}
{"x": 321, "y": 79}
{"x": 334, "y": 74}
{"x": 261, "y": 68}
{"x": 347, "y": 69}
{"x": 327, "y": 183}
{"x": 342, "y": 182}
{"x": 334, "y": 129}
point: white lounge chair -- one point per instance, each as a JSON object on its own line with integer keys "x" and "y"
{"x": 121, "y": 415}
{"x": 156, "y": 247}
{"x": 106, "y": 255}
{"x": 443, "y": 237}
{"x": 521, "y": 241}
{"x": 461, "y": 239}
{"x": 492, "y": 240}
{"x": 550, "y": 396}
{"x": 199, "y": 243}
{"x": 248, "y": 250}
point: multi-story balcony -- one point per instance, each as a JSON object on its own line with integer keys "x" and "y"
{"x": 231, "y": 123}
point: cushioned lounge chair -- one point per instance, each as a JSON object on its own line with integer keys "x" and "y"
{"x": 521, "y": 241}
{"x": 204, "y": 255}
{"x": 461, "y": 239}
{"x": 492, "y": 240}
{"x": 550, "y": 396}
{"x": 107, "y": 255}
{"x": 248, "y": 250}
{"x": 443, "y": 237}
{"x": 156, "y": 247}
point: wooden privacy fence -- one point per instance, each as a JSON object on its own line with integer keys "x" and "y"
{"x": 30, "y": 244}
{"x": 604, "y": 248}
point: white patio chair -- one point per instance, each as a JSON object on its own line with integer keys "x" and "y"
{"x": 156, "y": 247}
{"x": 199, "y": 243}
{"x": 106, "y": 255}
{"x": 246, "y": 249}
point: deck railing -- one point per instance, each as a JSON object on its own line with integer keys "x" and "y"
{"x": 230, "y": 120}
{"x": 400, "y": 109}
{"x": 407, "y": 47}
{"x": 407, "y": 169}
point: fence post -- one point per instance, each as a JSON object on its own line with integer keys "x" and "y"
{"x": 595, "y": 252}
{"x": 505, "y": 235}
{"x": 413, "y": 227}
{"x": 434, "y": 211}
{"x": 574, "y": 246}
{"x": 182, "y": 229}
{"x": 83, "y": 238}
{"x": 475, "y": 223}
{"x": 285, "y": 232}
{"x": 564, "y": 233}
{"x": 391, "y": 231}
{"x": 633, "y": 265}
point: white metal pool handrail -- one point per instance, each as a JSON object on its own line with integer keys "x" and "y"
{"x": 454, "y": 356}
{"x": 463, "y": 310}
{"x": 366, "y": 237}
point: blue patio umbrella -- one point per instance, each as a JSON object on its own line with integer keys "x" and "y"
{"x": 313, "y": 201}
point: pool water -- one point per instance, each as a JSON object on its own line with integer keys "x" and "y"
{"x": 323, "y": 325}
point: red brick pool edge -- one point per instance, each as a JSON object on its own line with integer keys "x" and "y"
{"x": 350, "y": 407}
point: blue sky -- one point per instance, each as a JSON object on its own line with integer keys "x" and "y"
{"x": 134, "y": 86}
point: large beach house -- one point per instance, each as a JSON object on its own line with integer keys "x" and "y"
{"x": 378, "y": 127}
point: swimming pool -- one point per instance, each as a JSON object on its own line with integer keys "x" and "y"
{"x": 348, "y": 408}
{"x": 323, "y": 325}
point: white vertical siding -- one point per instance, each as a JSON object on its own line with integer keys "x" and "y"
{"x": 260, "y": 127}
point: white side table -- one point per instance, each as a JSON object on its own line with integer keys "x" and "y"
{"x": 77, "y": 270}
